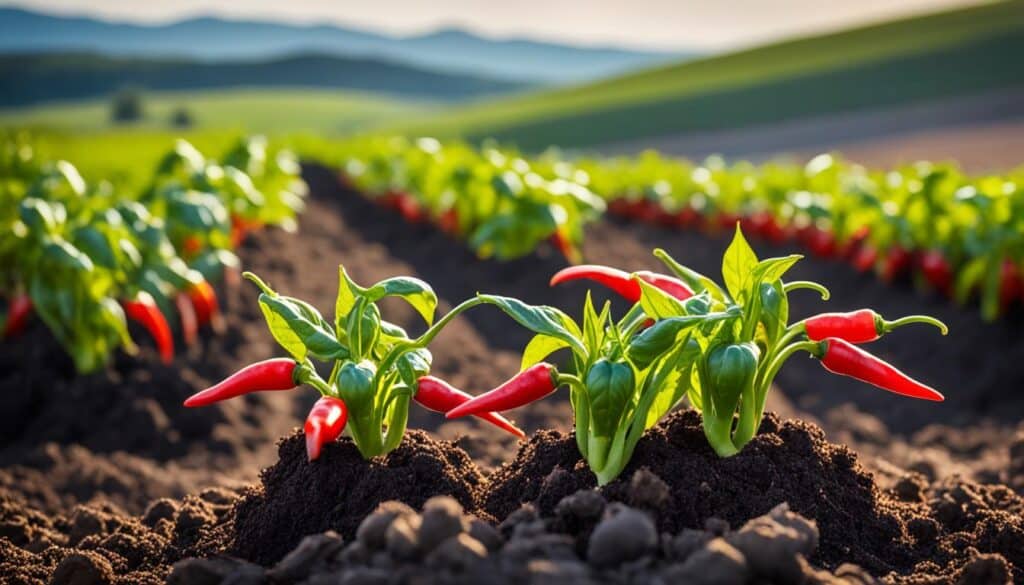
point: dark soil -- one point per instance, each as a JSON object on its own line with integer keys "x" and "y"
{"x": 788, "y": 462}
{"x": 789, "y": 503}
{"x": 297, "y": 498}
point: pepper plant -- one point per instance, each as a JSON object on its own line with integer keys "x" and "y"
{"x": 685, "y": 336}
{"x": 375, "y": 367}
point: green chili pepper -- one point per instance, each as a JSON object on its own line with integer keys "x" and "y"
{"x": 609, "y": 386}
{"x": 729, "y": 373}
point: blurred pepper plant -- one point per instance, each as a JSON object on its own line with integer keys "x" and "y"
{"x": 86, "y": 258}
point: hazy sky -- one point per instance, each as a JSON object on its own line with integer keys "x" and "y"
{"x": 701, "y": 24}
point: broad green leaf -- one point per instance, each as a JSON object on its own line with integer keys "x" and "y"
{"x": 346, "y": 297}
{"x": 695, "y": 280}
{"x": 657, "y": 303}
{"x": 540, "y": 319}
{"x": 416, "y": 292}
{"x": 738, "y": 265}
{"x": 539, "y": 348}
{"x": 772, "y": 269}
{"x": 282, "y": 332}
{"x": 413, "y": 364}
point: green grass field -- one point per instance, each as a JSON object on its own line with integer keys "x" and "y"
{"x": 910, "y": 53}
{"x": 251, "y": 110}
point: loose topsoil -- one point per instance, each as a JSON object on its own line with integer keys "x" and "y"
{"x": 677, "y": 497}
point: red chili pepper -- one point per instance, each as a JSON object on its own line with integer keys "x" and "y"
{"x": 324, "y": 424}
{"x": 860, "y": 326}
{"x": 408, "y": 208}
{"x": 764, "y": 224}
{"x": 440, "y": 396}
{"x": 531, "y": 384}
{"x": 621, "y": 281}
{"x": 936, "y": 270}
{"x": 449, "y": 221}
{"x": 204, "y": 299}
{"x": 268, "y": 375}
{"x": 821, "y": 242}
{"x": 619, "y": 206}
{"x": 896, "y": 262}
{"x": 686, "y": 217}
{"x": 144, "y": 311}
{"x": 646, "y": 211}
{"x": 187, "y": 315}
{"x": 865, "y": 258}
{"x": 726, "y": 220}
{"x": 1011, "y": 286}
{"x": 567, "y": 249}
{"x": 18, "y": 313}
{"x": 843, "y": 358}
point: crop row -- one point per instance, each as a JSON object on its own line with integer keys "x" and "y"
{"x": 86, "y": 258}
{"x": 959, "y": 235}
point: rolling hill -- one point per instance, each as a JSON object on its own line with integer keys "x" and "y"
{"x": 449, "y": 50}
{"x": 266, "y": 111}
{"x": 35, "y": 78}
{"x": 952, "y": 53}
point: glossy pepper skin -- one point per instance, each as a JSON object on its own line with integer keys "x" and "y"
{"x": 143, "y": 309}
{"x": 527, "y": 386}
{"x": 324, "y": 424}
{"x": 204, "y": 300}
{"x": 439, "y": 396}
{"x": 609, "y": 386}
{"x": 268, "y": 375}
{"x": 621, "y": 282}
{"x": 728, "y": 374}
{"x": 855, "y": 327}
{"x": 861, "y": 326}
{"x": 843, "y": 358}
{"x": 17, "y": 315}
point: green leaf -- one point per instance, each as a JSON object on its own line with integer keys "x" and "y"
{"x": 772, "y": 269}
{"x": 594, "y": 324}
{"x": 540, "y": 319}
{"x": 282, "y": 331}
{"x": 657, "y": 303}
{"x": 539, "y": 348}
{"x": 695, "y": 280}
{"x": 346, "y": 299}
{"x": 416, "y": 292}
{"x": 738, "y": 265}
{"x": 413, "y": 364}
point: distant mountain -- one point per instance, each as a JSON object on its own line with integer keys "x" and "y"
{"x": 32, "y": 78}
{"x": 451, "y": 50}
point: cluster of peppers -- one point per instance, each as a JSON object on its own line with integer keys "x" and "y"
{"x": 503, "y": 204}
{"x": 87, "y": 260}
{"x": 957, "y": 235}
{"x": 684, "y": 338}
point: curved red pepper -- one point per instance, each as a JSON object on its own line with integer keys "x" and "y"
{"x": 324, "y": 424}
{"x": 843, "y": 358}
{"x": 860, "y": 326}
{"x": 18, "y": 313}
{"x": 865, "y": 257}
{"x": 268, "y": 375}
{"x": 204, "y": 299}
{"x": 187, "y": 315}
{"x": 565, "y": 247}
{"x": 622, "y": 282}
{"x": 440, "y": 396}
{"x": 143, "y": 310}
{"x": 896, "y": 262}
{"x": 936, "y": 270}
{"x": 527, "y": 386}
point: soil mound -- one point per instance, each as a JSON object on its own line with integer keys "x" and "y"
{"x": 916, "y": 528}
{"x": 297, "y": 498}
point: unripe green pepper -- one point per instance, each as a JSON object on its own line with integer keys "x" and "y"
{"x": 363, "y": 328}
{"x": 355, "y": 386}
{"x": 774, "y": 309}
{"x": 730, "y": 369}
{"x": 609, "y": 387}
{"x": 651, "y": 343}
